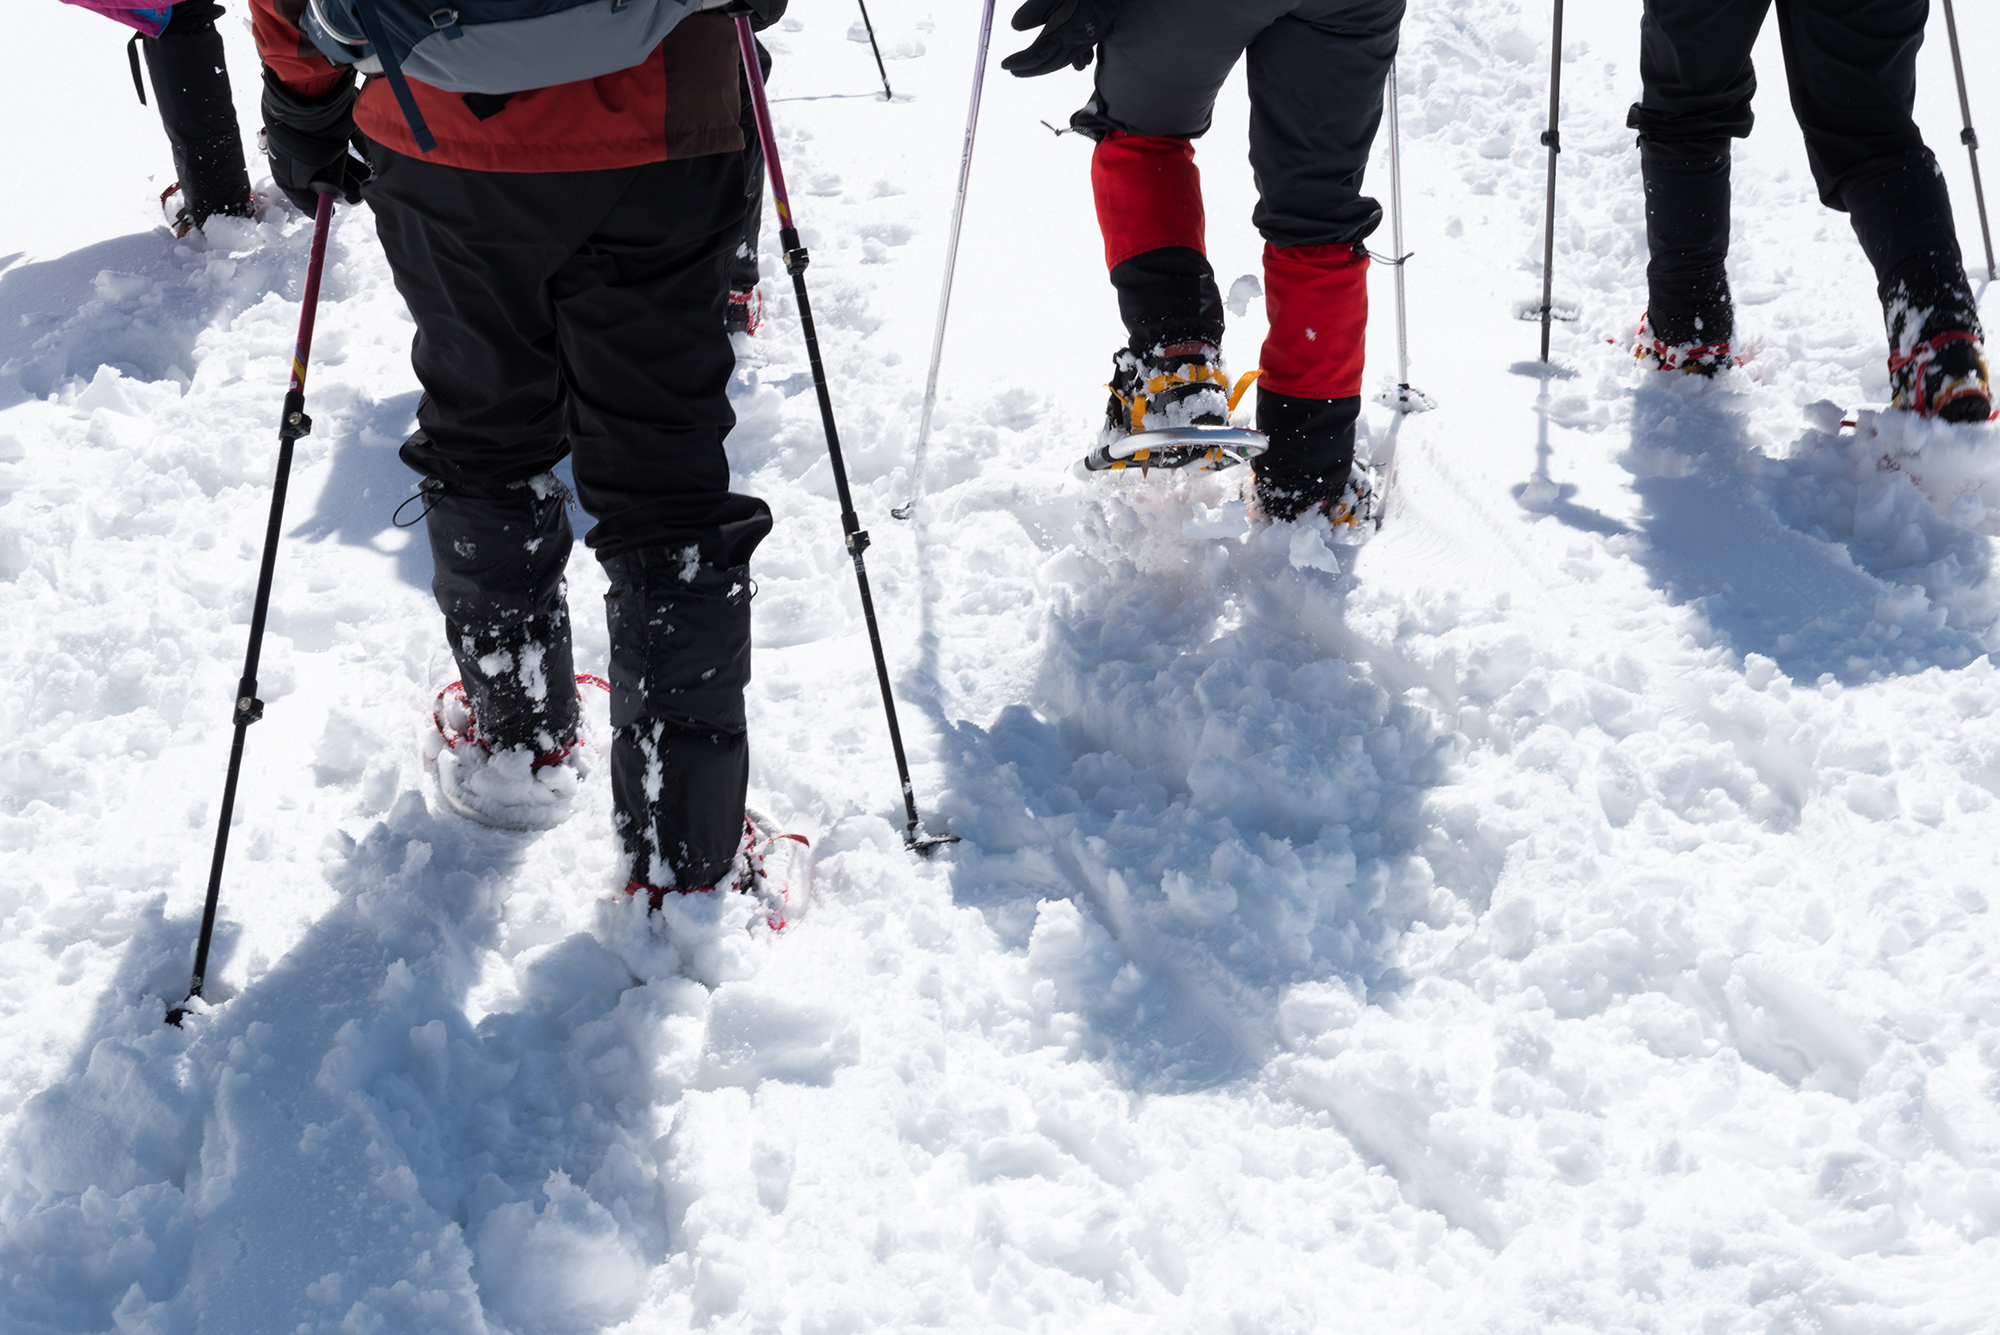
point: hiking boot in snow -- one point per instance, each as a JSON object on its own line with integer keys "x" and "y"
{"x": 745, "y": 312}
{"x": 1943, "y": 377}
{"x": 174, "y": 206}
{"x": 1181, "y": 384}
{"x": 775, "y": 867}
{"x": 1688, "y": 354}
{"x": 1355, "y": 513}
{"x": 1937, "y": 366}
{"x": 1170, "y": 409}
{"x": 508, "y": 788}
{"x": 1310, "y": 463}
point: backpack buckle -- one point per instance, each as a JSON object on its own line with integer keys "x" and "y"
{"x": 445, "y": 20}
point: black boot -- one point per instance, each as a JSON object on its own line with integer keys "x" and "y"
{"x": 499, "y": 555}
{"x": 680, "y": 751}
{"x": 1168, "y": 296}
{"x": 1689, "y": 312}
{"x": 197, "y": 111}
{"x": 1902, "y": 216}
{"x": 1311, "y": 456}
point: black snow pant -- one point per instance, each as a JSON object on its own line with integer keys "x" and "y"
{"x": 743, "y": 260}
{"x": 198, "y": 113}
{"x": 580, "y": 314}
{"x": 1316, "y": 73}
{"x": 1852, "y": 69}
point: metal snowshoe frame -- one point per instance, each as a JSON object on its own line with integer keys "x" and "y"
{"x": 1202, "y": 448}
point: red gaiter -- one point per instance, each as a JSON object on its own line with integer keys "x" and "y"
{"x": 1317, "y": 301}
{"x": 1148, "y": 195}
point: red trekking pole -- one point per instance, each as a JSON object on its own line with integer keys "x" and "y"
{"x": 292, "y": 424}
{"x": 796, "y": 259}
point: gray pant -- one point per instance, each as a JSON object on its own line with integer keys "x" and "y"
{"x": 1316, "y": 73}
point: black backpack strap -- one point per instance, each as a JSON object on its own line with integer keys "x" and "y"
{"x": 132, "y": 54}
{"x": 393, "y": 68}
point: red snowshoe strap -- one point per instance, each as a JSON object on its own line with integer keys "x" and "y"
{"x": 1930, "y": 346}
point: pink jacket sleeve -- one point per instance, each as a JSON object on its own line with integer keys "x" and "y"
{"x": 147, "y": 18}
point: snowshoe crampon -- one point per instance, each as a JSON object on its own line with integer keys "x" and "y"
{"x": 1358, "y": 512}
{"x": 1170, "y": 409}
{"x": 774, "y": 866}
{"x": 512, "y": 789}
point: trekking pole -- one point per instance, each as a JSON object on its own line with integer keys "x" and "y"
{"x": 1969, "y": 138}
{"x": 796, "y": 260}
{"x": 1408, "y": 400}
{"x": 1552, "y": 139}
{"x": 908, "y": 508}
{"x": 292, "y": 424}
{"x": 887, "y": 96}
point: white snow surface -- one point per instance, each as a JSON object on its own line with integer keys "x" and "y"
{"x": 1571, "y": 911}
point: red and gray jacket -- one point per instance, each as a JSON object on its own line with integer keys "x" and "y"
{"x": 680, "y": 102}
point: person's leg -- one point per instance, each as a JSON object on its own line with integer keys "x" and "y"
{"x": 1697, "y": 82}
{"x": 1853, "y": 70}
{"x": 473, "y": 254}
{"x": 1316, "y": 81}
{"x": 192, "y": 87}
{"x": 647, "y": 365}
{"x": 1158, "y": 72}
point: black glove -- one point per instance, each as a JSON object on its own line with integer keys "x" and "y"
{"x": 191, "y": 16}
{"x": 761, "y": 13}
{"x": 1071, "y": 30}
{"x": 307, "y": 143}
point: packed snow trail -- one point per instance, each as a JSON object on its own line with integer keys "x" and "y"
{"x": 1571, "y": 911}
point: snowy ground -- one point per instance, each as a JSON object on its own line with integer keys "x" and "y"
{"x": 1572, "y": 911}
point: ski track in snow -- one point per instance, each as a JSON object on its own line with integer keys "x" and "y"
{"x": 1569, "y": 912}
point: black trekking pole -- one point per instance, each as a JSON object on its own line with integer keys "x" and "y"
{"x": 1969, "y": 138}
{"x": 292, "y": 424}
{"x": 796, "y": 260}
{"x": 887, "y": 96}
{"x": 1552, "y": 139}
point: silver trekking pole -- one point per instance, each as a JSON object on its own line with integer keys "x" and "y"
{"x": 1552, "y": 138}
{"x": 1408, "y": 400}
{"x": 1968, "y": 137}
{"x": 909, "y": 507}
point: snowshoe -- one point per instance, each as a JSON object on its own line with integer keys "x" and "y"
{"x": 1361, "y": 508}
{"x": 1170, "y": 409}
{"x": 774, "y": 866}
{"x": 1356, "y": 514}
{"x": 510, "y": 789}
{"x": 174, "y": 207}
{"x": 1702, "y": 359}
{"x": 745, "y": 312}
{"x": 1943, "y": 377}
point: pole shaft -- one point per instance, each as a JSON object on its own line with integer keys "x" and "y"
{"x": 1554, "y": 141}
{"x": 950, "y": 267}
{"x": 880, "y": 69}
{"x": 796, "y": 260}
{"x": 1396, "y": 225}
{"x": 292, "y": 424}
{"x": 1970, "y": 137}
